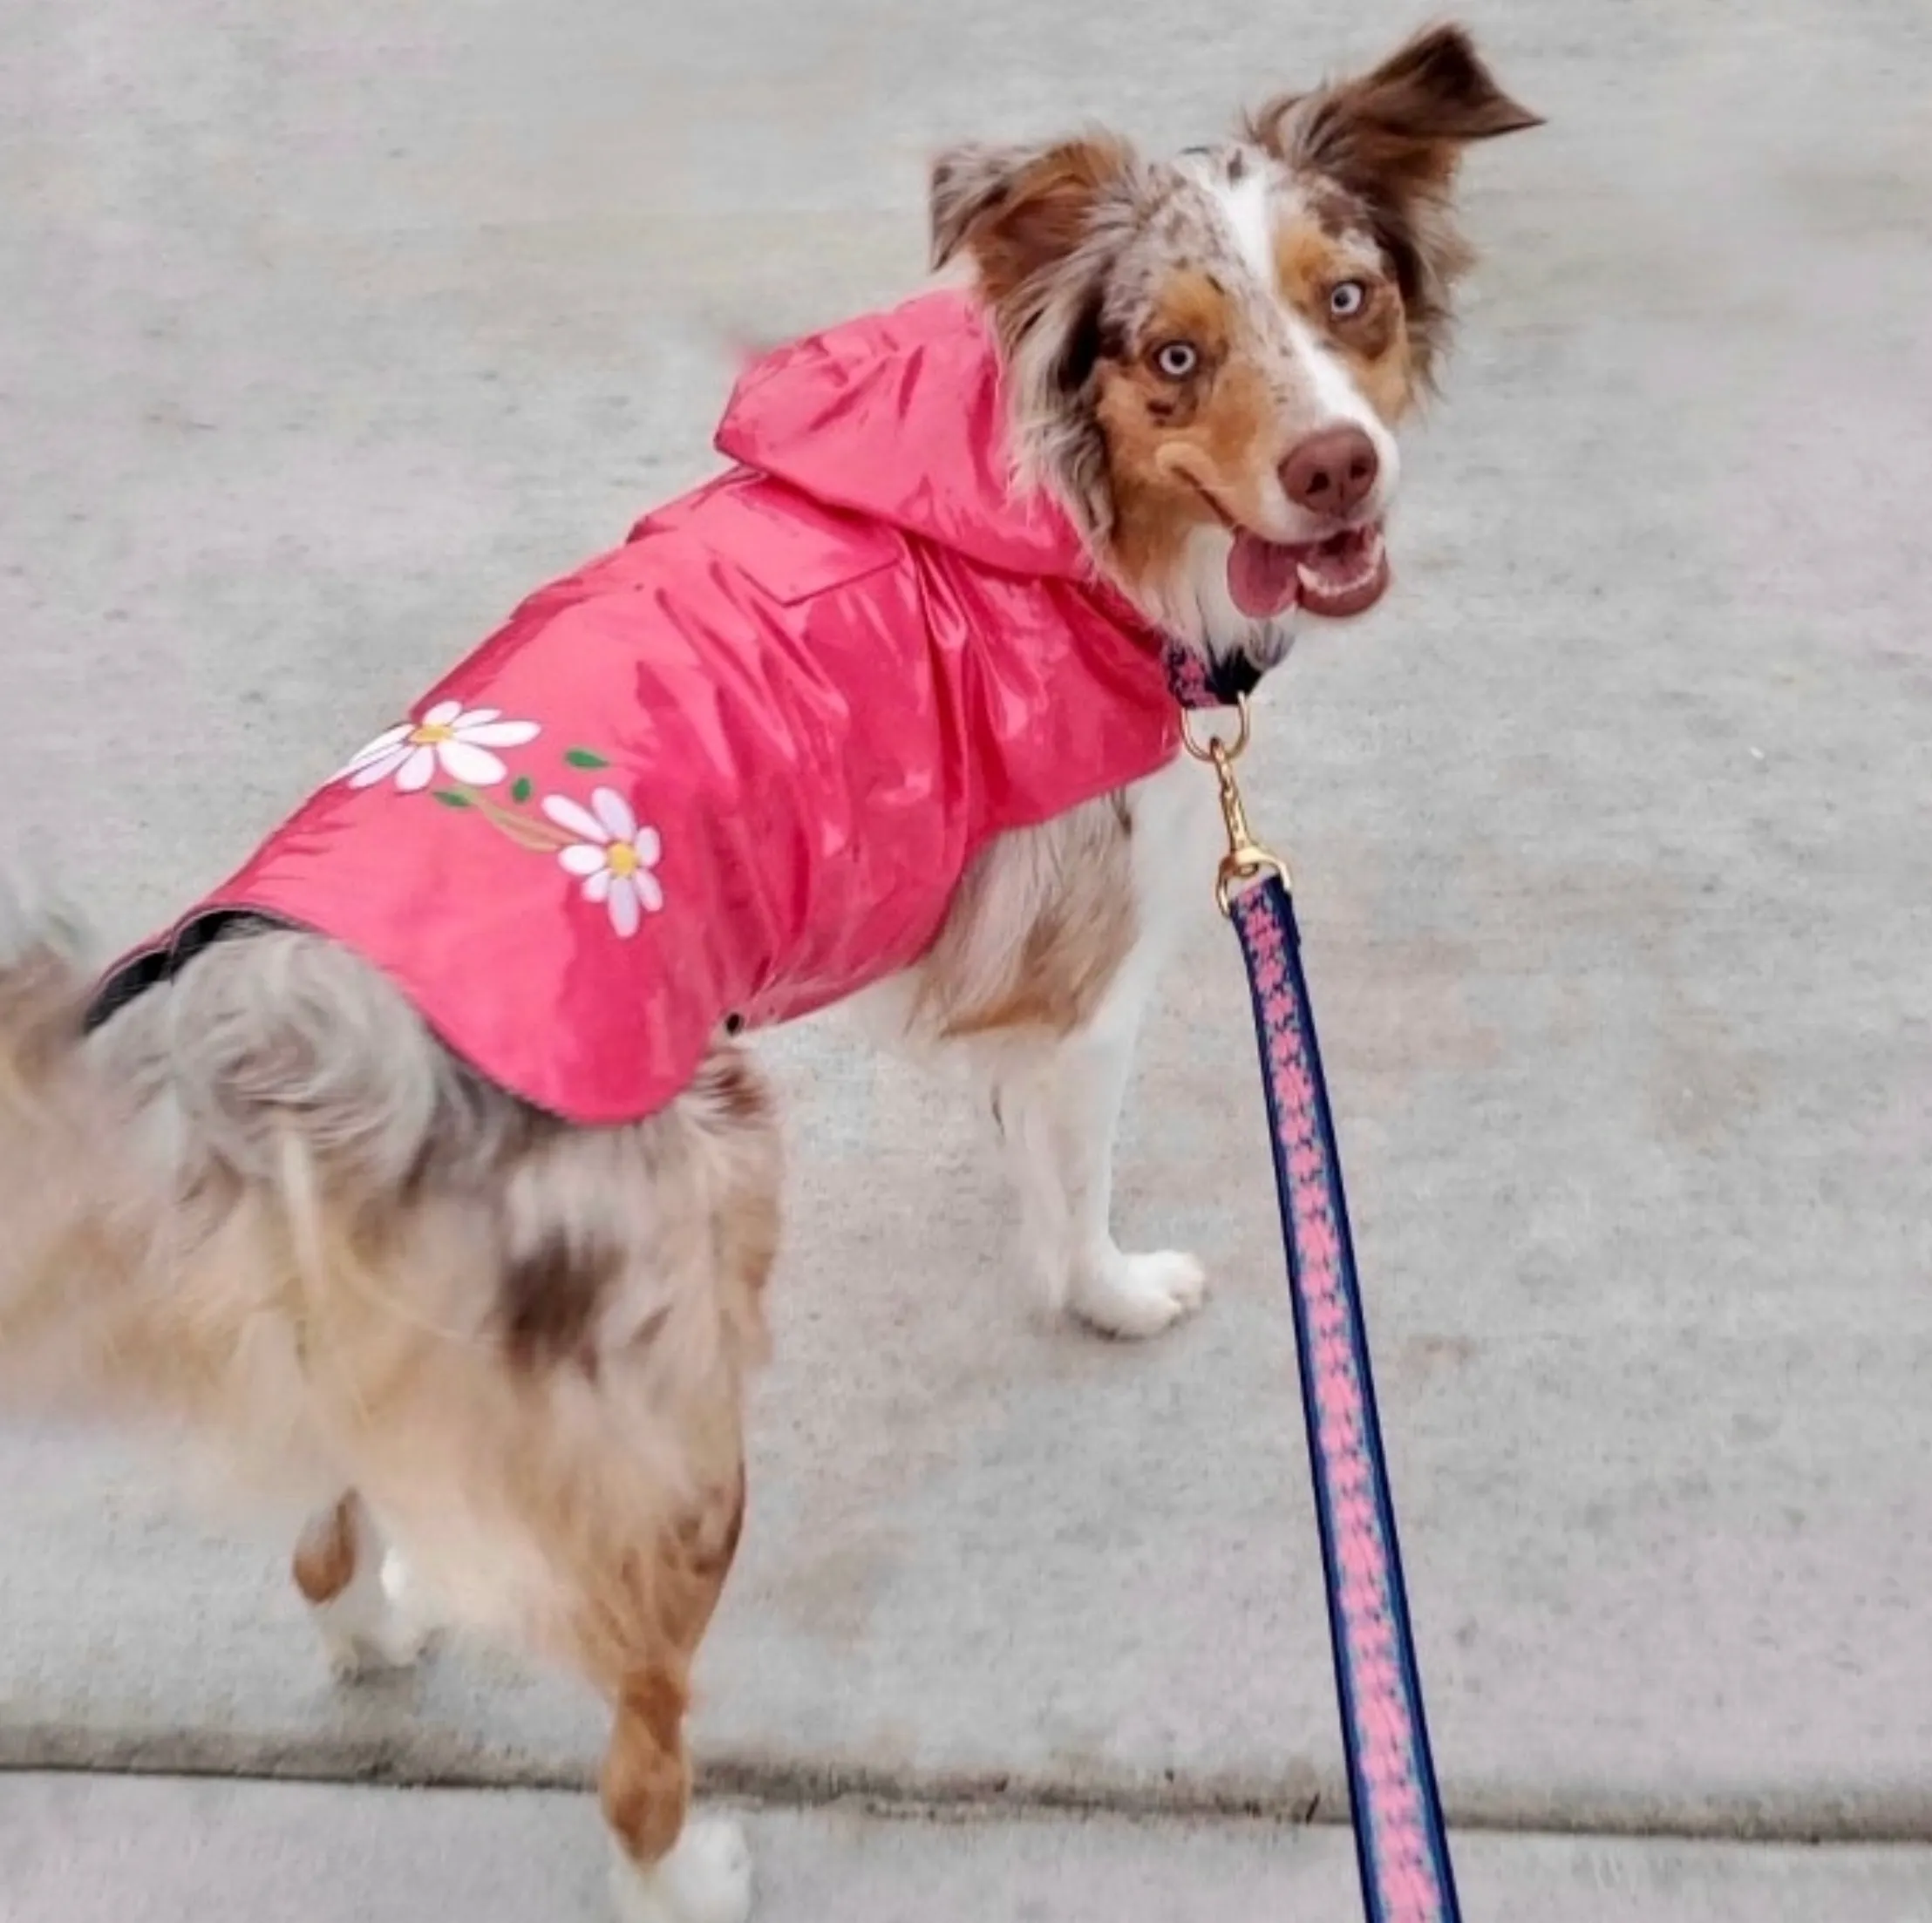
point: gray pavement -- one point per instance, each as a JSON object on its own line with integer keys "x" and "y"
{"x": 325, "y": 332}
{"x": 160, "y": 1851}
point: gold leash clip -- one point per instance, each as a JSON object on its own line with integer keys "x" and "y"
{"x": 1246, "y": 859}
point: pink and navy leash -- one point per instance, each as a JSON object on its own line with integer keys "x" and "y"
{"x": 1401, "y": 1842}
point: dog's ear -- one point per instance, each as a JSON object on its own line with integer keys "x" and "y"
{"x": 1403, "y": 126}
{"x": 1019, "y": 209}
{"x": 1394, "y": 139}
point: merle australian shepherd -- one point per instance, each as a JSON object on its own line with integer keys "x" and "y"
{"x": 263, "y": 1202}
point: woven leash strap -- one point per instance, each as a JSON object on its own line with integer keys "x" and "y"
{"x": 1400, "y": 1841}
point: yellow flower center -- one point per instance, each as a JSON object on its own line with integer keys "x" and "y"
{"x": 622, "y": 859}
{"x": 431, "y": 734}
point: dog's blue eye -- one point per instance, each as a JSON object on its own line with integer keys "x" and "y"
{"x": 1177, "y": 359}
{"x": 1347, "y": 299}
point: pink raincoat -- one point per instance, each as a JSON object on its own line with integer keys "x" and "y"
{"x": 736, "y": 767}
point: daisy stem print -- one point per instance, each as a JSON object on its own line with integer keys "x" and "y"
{"x": 527, "y": 830}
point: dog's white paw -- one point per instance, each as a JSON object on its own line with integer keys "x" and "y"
{"x": 1136, "y": 1296}
{"x": 377, "y": 1626}
{"x": 706, "y": 1878}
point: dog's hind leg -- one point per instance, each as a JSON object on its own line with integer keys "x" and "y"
{"x": 645, "y": 1592}
{"x": 597, "y": 1522}
{"x": 357, "y": 1592}
{"x": 570, "y": 1478}
{"x": 670, "y": 1867}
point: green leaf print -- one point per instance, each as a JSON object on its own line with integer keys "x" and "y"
{"x": 521, "y": 789}
{"x": 582, "y": 758}
{"x": 449, "y": 799}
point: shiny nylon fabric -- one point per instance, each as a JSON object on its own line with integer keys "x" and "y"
{"x": 820, "y": 684}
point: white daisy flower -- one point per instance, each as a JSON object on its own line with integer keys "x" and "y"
{"x": 450, "y": 737}
{"x": 614, "y": 857}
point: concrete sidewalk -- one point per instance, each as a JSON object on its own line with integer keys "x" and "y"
{"x": 328, "y": 332}
{"x": 160, "y": 1851}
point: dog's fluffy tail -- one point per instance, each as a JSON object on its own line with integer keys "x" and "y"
{"x": 43, "y": 990}
{"x": 62, "y": 1137}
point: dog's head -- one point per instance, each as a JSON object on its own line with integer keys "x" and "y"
{"x": 1208, "y": 357}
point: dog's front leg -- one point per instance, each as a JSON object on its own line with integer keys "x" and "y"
{"x": 1059, "y": 1113}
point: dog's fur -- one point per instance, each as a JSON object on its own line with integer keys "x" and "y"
{"x": 264, "y": 1201}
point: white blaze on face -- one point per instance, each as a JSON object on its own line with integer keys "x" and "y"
{"x": 1339, "y": 401}
{"x": 1244, "y": 205}
{"x": 1248, "y": 209}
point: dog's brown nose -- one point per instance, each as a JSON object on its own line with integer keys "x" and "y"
{"x": 1332, "y": 472}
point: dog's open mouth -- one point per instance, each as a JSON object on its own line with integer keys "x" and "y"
{"x": 1345, "y": 575}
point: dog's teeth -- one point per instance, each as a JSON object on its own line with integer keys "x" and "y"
{"x": 1325, "y": 589}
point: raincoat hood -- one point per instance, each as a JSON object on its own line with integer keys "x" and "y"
{"x": 922, "y": 380}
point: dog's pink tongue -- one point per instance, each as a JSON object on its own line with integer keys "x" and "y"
{"x": 1261, "y": 576}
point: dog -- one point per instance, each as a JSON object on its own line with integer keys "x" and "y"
{"x": 501, "y": 1327}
